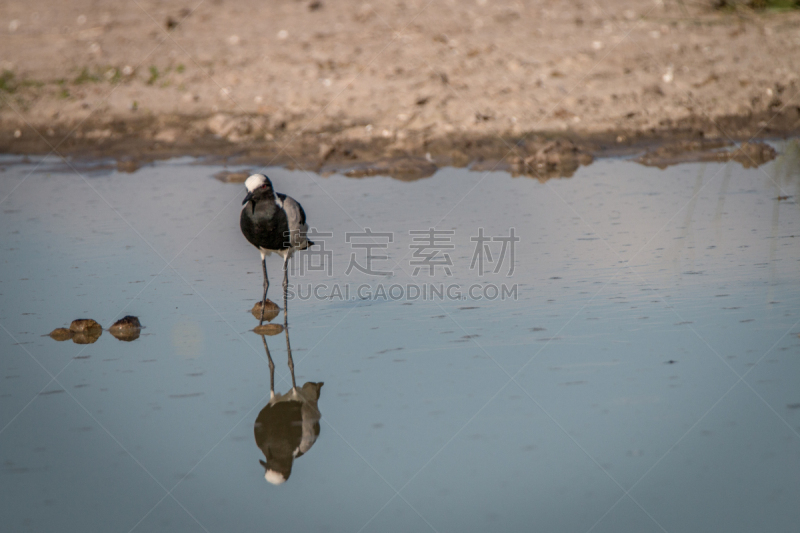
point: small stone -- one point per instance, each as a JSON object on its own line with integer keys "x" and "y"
{"x": 128, "y": 166}
{"x": 169, "y": 135}
{"x": 126, "y": 323}
{"x": 325, "y": 151}
{"x": 754, "y": 154}
{"x": 85, "y": 325}
{"x": 232, "y": 128}
{"x": 126, "y": 328}
{"x": 401, "y": 168}
{"x": 87, "y": 337}
{"x": 271, "y": 310}
{"x": 220, "y": 124}
{"x": 226, "y": 176}
{"x": 126, "y": 335}
{"x": 268, "y": 329}
{"x": 61, "y": 334}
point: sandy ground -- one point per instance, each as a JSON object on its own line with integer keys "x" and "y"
{"x": 330, "y": 82}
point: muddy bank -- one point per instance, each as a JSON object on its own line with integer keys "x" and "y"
{"x": 333, "y": 86}
{"x": 136, "y": 142}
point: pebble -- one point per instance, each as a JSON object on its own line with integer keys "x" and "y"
{"x": 271, "y": 310}
{"x": 61, "y": 334}
{"x": 126, "y": 328}
{"x": 227, "y": 176}
{"x": 169, "y": 135}
{"x": 268, "y": 329}
{"x": 85, "y": 325}
{"x": 402, "y": 168}
{"x": 126, "y": 323}
{"x": 87, "y": 337}
{"x": 128, "y": 165}
{"x": 126, "y": 335}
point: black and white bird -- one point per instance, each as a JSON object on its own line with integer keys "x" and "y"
{"x": 288, "y": 426}
{"x": 272, "y": 222}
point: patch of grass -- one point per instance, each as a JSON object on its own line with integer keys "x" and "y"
{"x": 154, "y": 75}
{"x": 758, "y": 5}
{"x": 7, "y": 84}
{"x": 775, "y": 4}
{"x": 31, "y": 83}
{"x": 180, "y": 69}
{"x": 113, "y": 75}
{"x": 85, "y": 77}
{"x": 98, "y": 74}
{"x": 63, "y": 93}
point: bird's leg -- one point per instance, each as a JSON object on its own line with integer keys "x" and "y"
{"x": 286, "y": 318}
{"x": 289, "y": 351}
{"x": 285, "y": 286}
{"x": 271, "y": 368}
{"x": 266, "y": 286}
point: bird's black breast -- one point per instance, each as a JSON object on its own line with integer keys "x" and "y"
{"x": 279, "y": 427}
{"x": 264, "y": 224}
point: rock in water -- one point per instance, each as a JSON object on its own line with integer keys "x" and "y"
{"x": 271, "y": 310}
{"x": 401, "y": 168}
{"x": 268, "y": 329}
{"x": 126, "y": 328}
{"x": 85, "y": 325}
{"x": 126, "y": 335}
{"x": 61, "y": 334}
{"x": 126, "y": 323}
{"x": 87, "y": 337}
{"x": 226, "y": 176}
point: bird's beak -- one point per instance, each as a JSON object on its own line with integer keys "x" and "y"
{"x": 247, "y": 198}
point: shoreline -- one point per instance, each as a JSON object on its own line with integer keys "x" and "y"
{"x": 134, "y": 141}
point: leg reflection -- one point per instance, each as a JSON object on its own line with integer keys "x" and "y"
{"x": 288, "y": 425}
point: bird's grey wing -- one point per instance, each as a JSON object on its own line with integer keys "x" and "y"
{"x": 294, "y": 211}
{"x": 310, "y": 426}
{"x": 296, "y": 218}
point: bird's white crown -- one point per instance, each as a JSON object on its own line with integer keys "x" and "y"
{"x": 274, "y": 477}
{"x": 254, "y": 182}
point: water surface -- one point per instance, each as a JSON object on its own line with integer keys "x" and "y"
{"x": 645, "y": 378}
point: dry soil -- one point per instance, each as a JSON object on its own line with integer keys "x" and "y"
{"x": 540, "y": 86}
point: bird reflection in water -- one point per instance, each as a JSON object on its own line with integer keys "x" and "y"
{"x": 288, "y": 425}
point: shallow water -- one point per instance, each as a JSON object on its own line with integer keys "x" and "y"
{"x": 645, "y": 378}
